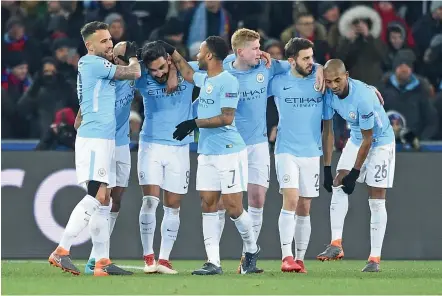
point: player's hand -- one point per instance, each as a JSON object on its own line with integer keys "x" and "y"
{"x": 265, "y": 56}
{"x": 320, "y": 82}
{"x": 131, "y": 52}
{"x": 169, "y": 48}
{"x": 349, "y": 181}
{"x": 184, "y": 129}
{"x": 328, "y": 178}
{"x": 172, "y": 79}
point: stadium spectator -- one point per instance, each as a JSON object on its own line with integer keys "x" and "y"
{"x": 305, "y": 26}
{"x": 173, "y": 33}
{"x": 123, "y": 8}
{"x": 15, "y": 40}
{"x": 15, "y": 81}
{"x": 11, "y": 9}
{"x": 428, "y": 26}
{"x": 48, "y": 93}
{"x": 396, "y": 40}
{"x": 62, "y": 52}
{"x": 206, "y": 19}
{"x": 60, "y": 133}
{"x": 408, "y": 94}
{"x": 329, "y": 14}
{"x": 360, "y": 47}
{"x": 275, "y": 48}
{"x": 388, "y": 15}
{"x": 432, "y": 63}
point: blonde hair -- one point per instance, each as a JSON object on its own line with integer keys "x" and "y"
{"x": 241, "y": 36}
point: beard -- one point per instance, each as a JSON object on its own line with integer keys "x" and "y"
{"x": 302, "y": 71}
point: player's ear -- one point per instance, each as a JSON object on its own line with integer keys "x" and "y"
{"x": 291, "y": 60}
{"x": 209, "y": 55}
{"x": 88, "y": 45}
{"x": 346, "y": 74}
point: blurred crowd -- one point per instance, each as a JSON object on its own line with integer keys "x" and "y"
{"x": 395, "y": 46}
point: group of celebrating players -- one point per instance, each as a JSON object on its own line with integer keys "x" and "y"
{"x": 232, "y": 146}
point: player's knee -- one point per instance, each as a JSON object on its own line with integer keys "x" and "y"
{"x": 209, "y": 205}
{"x": 303, "y": 206}
{"x": 256, "y": 199}
{"x": 172, "y": 200}
{"x": 150, "y": 204}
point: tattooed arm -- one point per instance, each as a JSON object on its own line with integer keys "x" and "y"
{"x": 225, "y": 118}
{"x": 130, "y": 72}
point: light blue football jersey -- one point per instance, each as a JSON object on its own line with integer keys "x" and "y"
{"x": 220, "y": 91}
{"x": 362, "y": 110}
{"x": 125, "y": 94}
{"x": 251, "y": 113}
{"x": 162, "y": 111}
{"x": 96, "y": 96}
{"x": 301, "y": 109}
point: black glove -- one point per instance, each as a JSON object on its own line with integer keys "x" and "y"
{"x": 328, "y": 178}
{"x": 169, "y": 48}
{"x": 349, "y": 181}
{"x": 131, "y": 52}
{"x": 184, "y": 129}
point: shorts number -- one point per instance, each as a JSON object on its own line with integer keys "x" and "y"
{"x": 317, "y": 180}
{"x": 187, "y": 177}
{"x": 381, "y": 172}
{"x": 233, "y": 176}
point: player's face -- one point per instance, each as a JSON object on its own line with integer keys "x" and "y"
{"x": 251, "y": 54}
{"x": 159, "y": 69}
{"x": 100, "y": 44}
{"x": 336, "y": 82}
{"x": 202, "y": 56}
{"x": 303, "y": 63}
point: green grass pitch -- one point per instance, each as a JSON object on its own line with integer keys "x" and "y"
{"x": 341, "y": 277}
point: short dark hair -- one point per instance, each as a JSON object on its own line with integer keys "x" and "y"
{"x": 152, "y": 51}
{"x": 218, "y": 47}
{"x": 295, "y": 45}
{"x": 91, "y": 28}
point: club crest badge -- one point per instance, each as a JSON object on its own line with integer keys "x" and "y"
{"x": 260, "y": 78}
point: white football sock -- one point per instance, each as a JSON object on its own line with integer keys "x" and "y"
{"x": 99, "y": 230}
{"x": 148, "y": 222}
{"x": 378, "y": 224}
{"x": 256, "y": 214}
{"x": 286, "y": 225}
{"x": 222, "y": 221}
{"x": 211, "y": 237}
{"x": 338, "y": 211}
{"x": 112, "y": 219}
{"x": 244, "y": 225}
{"x": 169, "y": 231}
{"x": 302, "y": 235}
{"x": 78, "y": 220}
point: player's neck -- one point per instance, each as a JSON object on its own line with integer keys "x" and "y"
{"x": 240, "y": 65}
{"x": 215, "y": 69}
{"x": 296, "y": 73}
{"x": 345, "y": 92}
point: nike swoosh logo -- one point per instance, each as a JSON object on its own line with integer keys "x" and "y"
{"x": 87, "y": 213}
{"x": 286, "y": 244}
{"x": 287, "y": 87}
{"x": 230, "y": 186}
{"x": 185, "y": 187}
{"x": 146, "y": 223}
{"x": 378, "y": 180}
{"x": 207, "y": 238}
{"x": 172, "y": 230}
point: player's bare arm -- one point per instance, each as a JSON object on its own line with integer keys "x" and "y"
{"x": 183, "y": 66}
{"x": 78, "y": 119}
{"x": 367, "y": 136}
{"x": 130, "y": 72}
{"x": 327, "y": 141}
{"x": 225, "y": 118}
{"x": 172, "y": 79}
